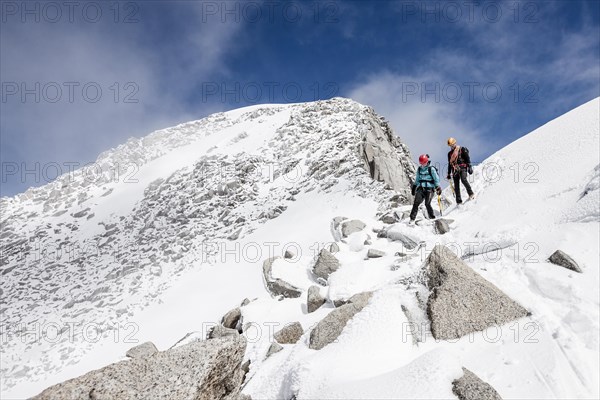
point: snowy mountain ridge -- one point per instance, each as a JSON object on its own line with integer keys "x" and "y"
{"x": 95, "y": 250}
{"x": 361, "y": 315}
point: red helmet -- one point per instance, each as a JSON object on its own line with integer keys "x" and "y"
{"x": 423, "y": 159}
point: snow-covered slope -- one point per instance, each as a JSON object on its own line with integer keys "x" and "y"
{"x": 537, "y": 195}
{"x": 506, "y": 235}
{"x": 82, "y": 256}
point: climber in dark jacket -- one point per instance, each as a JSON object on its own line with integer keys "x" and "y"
{"x": 426, "y": 183}
{"x": 459, "y": 164}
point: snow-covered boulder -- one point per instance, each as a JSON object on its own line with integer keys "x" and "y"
{"x": 395, "y": 233}
{"x": 461, "y": 301}
{"x": 330, "y": 327}
{"x": 561, "y": 258}
{"x": 326, "y": 264}
{"x": 471, "y": 387}
{"x": 349, "y": 227}
{"x": 199, "y": 370}
{"x": 276, "y": 286}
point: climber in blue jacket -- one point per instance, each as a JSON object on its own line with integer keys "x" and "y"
{"x": 427, "y": 182}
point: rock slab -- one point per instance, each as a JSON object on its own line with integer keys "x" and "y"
{"x": 200, "y": 370}
{"x": 330, "y": 327}
{"x": 461, "y": 301}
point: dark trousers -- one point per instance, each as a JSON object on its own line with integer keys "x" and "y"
{"x": 422, "y": 194}
{"x": 461, "y": 176}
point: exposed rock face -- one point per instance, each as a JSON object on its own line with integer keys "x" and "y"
{"x": 471, "y": 387}
{"x": 461, "y": 301}
{"x": 387, "y": 159}
{"x": 200, "y": 370}
{"x": 349, "y": 227}
{"x": 330, "y": 327}
{"x": 314, "y": 299}
{"x": 326, "y": 264}
{"x": 441, "y": 226}
{"x": 276, "y": 286}
{"x": 289, "y": 334}
{"x": 561, "y": 258}
{"x": 142, "y": 350}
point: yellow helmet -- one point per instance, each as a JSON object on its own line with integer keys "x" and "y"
{"x": 451, "y": 141}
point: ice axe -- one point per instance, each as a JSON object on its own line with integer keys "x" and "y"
{"x": 440, "y": 205}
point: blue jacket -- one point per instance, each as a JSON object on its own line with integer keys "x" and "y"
{"x": 425, "y": 178}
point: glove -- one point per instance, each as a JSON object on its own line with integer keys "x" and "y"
{"x": 413, "y": 190}
{"x": 470, "y": 170}
{"x": 438, "y": 190}
{"x": 448, "y": 177}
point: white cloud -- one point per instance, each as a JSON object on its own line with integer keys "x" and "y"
{"x": 423, "y": 126}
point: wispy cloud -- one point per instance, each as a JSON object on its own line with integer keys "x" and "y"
{"x": 542, "y": 71}
{"x": 154, "y": 81}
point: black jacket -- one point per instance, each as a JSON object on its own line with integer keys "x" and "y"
{"x": 463, "y": 159}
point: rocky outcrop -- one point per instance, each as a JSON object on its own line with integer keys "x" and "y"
{"x": 386, "y": 158}
{"x": 142, "y": 350}
{"x": 289, "y": 334}
{"x": 200, "y": 370}
{"x": 461, "y": 301}
{"x": 562, "y": 259}
{"x": 471, "y": 387}
{"x": 330, "y": 327}
{"x": 276, "y": 286}
{"x": 314, "y": 299}
{"x": 326, "y": 264}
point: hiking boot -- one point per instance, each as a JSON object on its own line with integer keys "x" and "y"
{"x": 411, "y": 222}
{"x": 472, "y": 196}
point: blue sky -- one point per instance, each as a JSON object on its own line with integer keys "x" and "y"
{"x": 432, "y": 68}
